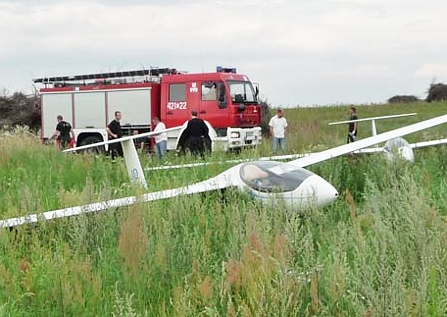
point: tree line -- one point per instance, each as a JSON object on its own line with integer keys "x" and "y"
{"x": 436, "y": 92}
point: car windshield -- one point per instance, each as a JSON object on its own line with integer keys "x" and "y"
{"x": 268, "y": 176}
{"x": 241, "y": 91}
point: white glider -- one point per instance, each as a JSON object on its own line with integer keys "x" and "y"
{"x": 265, "y": 180}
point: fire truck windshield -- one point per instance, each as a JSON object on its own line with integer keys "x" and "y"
{"x": 241, "y": 91}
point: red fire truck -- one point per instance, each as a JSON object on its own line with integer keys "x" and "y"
{"x": 226, "y": 100}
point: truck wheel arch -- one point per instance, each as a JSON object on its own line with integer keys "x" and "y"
{"x": 90, "y": 138}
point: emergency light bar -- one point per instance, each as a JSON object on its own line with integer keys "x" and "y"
{"x": 220, "y": 69}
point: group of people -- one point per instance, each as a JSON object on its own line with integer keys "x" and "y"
{"x": 195, "y": 137}
{"x": 161, "y": 139}
{"x": 114, "y": 131}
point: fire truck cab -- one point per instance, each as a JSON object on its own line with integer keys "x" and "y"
{"x": 225, "y": 99}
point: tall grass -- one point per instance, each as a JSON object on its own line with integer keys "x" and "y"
{"x": 377, "y": 251}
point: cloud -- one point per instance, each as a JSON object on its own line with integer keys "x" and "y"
{"x": 433, "y": 71}
{"x": 287, "y": 46}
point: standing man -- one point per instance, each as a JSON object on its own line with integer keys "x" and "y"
{"x": 196, "y": 135}
{"x": 278, "y": 129}
{"x": 63, "y": 133}
{"x": 352, "y": 132}
{"x": 114, "y": 131}
{"x": 161, "y": 139}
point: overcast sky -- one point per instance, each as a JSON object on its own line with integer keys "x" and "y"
{"x": 300, "y": 52}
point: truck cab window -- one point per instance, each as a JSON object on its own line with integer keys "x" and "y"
{"x": 242, "y": 91}
{"x": 177, "y": 92}
{"x": 209, "y": 91}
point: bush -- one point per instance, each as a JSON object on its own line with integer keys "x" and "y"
{"x": 437, "y": 92}
{"x": 265, "y": 117}
{"x": 403, "y": 99}
{"x": 19, "y": 109}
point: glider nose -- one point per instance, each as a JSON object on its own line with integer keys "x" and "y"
{"x": 407, "y": 153}
{"x": 321, "y": 191}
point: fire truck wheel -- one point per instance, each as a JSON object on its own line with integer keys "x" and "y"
{"x": 90, "y": 140}
{"x": 236, "y": 150}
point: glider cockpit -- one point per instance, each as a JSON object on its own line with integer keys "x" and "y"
{"x": 268, "y": 176}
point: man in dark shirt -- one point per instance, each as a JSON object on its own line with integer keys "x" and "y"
{"x": 63, "y": 133}
{"x": 352, "y": 133}
{"x": 114, "y": 131}
{"x": 196, "y": 134}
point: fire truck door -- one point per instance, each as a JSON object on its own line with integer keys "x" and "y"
{"x": 212, "y": 107}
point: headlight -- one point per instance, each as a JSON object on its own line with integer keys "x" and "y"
{"x": 235, "y": 135}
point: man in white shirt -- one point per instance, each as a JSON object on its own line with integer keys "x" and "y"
{"x": 161, "y": 139}
{"x": 278, "y": 129}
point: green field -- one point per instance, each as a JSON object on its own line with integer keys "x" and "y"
{"x": 378, "y": 251}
